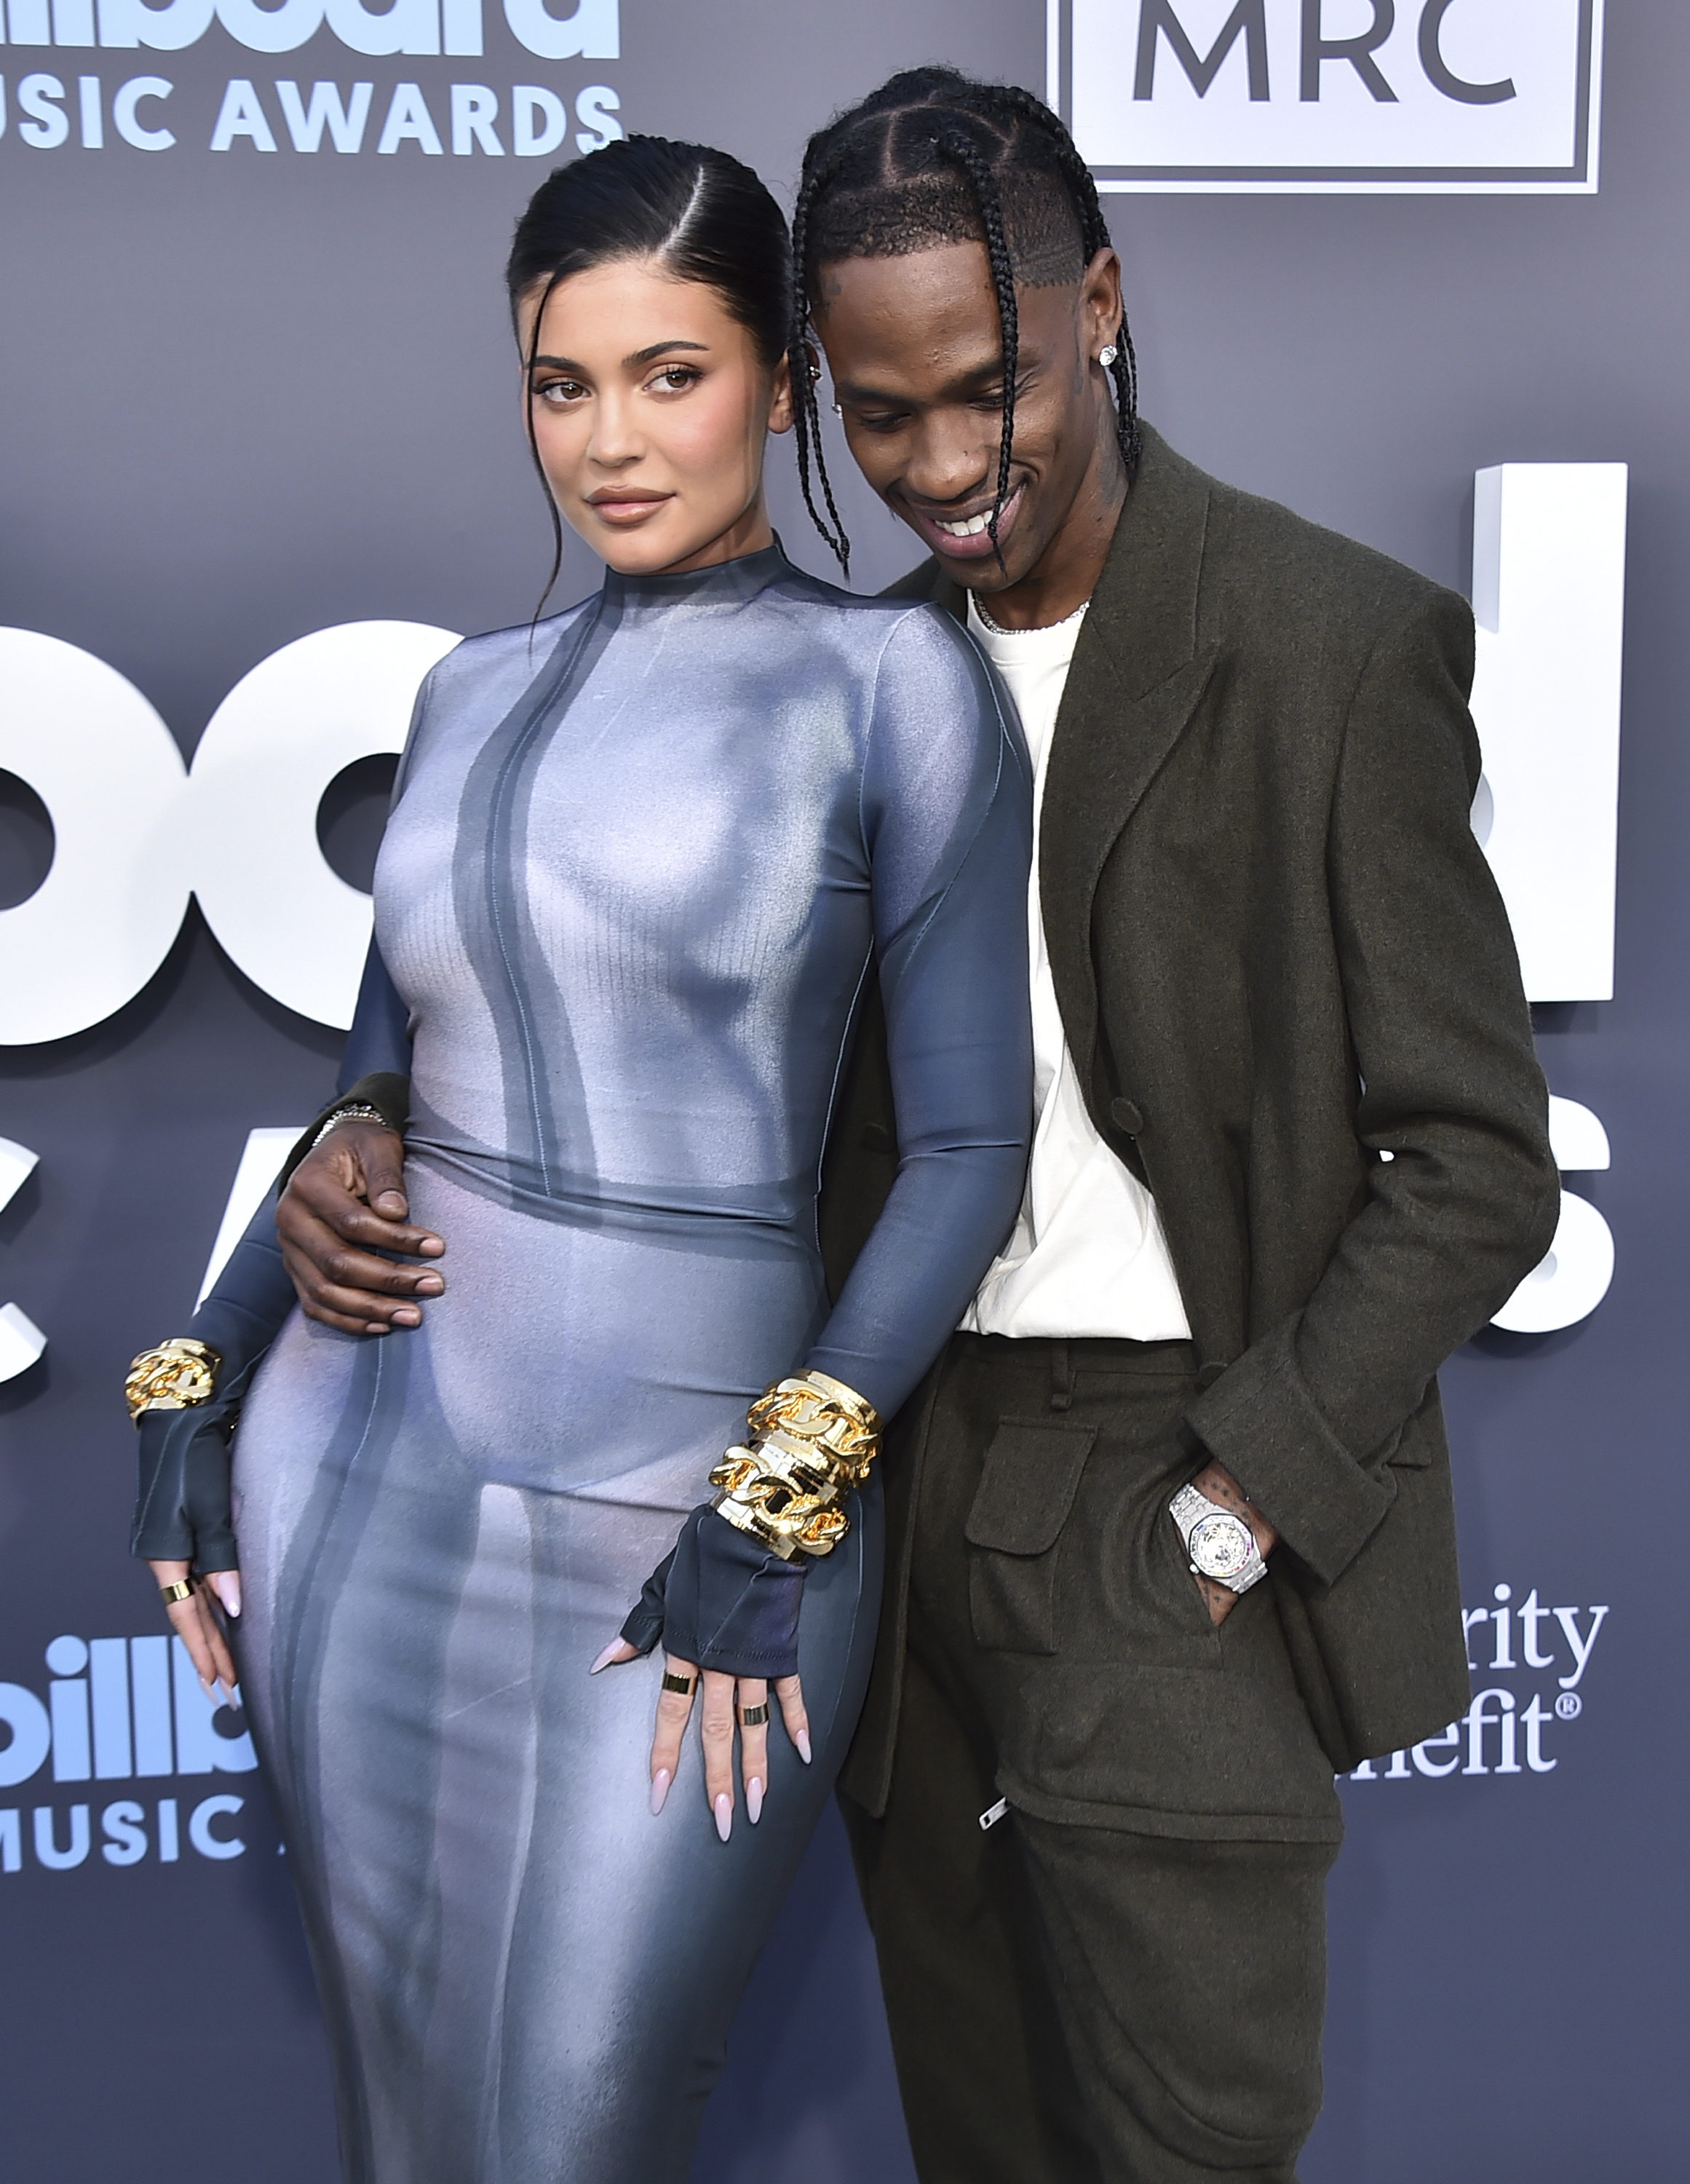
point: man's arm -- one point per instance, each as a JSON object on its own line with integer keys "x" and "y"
{"x": 1466, "y": 1204}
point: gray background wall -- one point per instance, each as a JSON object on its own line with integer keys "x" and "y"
{"x": 249, "y": 395}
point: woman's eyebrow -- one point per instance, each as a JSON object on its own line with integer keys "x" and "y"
{"x": 658, "y": 348}
{"x": 640, "y": 356}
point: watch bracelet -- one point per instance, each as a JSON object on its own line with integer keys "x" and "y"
{"x": 353, "y": 1110}
{"x": 1249, "y": 1575}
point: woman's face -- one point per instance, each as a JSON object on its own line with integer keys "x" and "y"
{"x": 651, "y": 409}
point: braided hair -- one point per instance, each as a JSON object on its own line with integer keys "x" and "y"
{"x": 933, "y": 158}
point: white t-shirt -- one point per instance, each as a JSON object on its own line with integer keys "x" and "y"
{"x": 1088, "y": 1255}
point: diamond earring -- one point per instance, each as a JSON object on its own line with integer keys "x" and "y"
{"x": 837, "y": 411}
{"x": 1108, "y": 357}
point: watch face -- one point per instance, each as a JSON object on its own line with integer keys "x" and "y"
{"x": 1220, "y": 1546}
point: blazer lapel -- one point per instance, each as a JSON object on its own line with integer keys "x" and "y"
{"x": 1139, "y": 673}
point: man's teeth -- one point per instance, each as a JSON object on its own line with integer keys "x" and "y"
{"x": 970, "y": 529}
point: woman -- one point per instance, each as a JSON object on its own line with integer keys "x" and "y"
{"x": 641, "y": 861}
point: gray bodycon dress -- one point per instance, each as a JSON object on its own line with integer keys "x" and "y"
{"x": 641, "y": 862}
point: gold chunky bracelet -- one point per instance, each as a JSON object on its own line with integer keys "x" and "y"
{"x": 812, "y": 1441}
{"x": 178, "y": 1375}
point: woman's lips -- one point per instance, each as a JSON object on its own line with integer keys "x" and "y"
{"x": 634, "y": 510}
{"x": 975, "y": 542}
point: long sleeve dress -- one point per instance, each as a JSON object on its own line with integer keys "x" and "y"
{"x": 641, "y": 863}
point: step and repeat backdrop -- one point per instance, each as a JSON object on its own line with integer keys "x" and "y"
{"x": 1415, "y": 269}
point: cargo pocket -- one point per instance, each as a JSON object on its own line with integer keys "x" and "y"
{"x": 1027, "y": 1489}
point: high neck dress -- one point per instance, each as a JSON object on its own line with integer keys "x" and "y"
{"x": 642, "y": 863}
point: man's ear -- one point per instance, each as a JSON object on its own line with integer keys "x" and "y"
{"x": 780, "y": 399}
{"x": 1100, "y": 304}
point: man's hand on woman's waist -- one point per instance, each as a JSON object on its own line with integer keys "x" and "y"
{"x": 344, "y": 1207}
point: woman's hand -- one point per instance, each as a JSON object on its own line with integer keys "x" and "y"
{"x": 344, "y": 1205}
{"x": 725, "y": 1698}
{"x": 198, "y": 1622}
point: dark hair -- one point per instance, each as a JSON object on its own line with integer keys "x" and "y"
{"x": 932, "y": 157}
{"x": 706, "y": 217}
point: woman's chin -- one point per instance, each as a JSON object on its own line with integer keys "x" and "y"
{"x": 665, "y": 542}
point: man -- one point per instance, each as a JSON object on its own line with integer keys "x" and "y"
{"x": 1170, "y": 1525}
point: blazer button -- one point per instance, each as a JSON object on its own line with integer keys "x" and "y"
{"x": 1126, "y": 1117}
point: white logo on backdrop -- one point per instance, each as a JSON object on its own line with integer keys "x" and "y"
{"x": 590, "y": 31}
{"x": 472, "y": 118}
{"x": 1346, "y": 95}
{"x": 135, "y": 833}
{"x": 1500, "y": 1734}
{"x": 21, "y": 1341}
{"x": 118, "y": 1710}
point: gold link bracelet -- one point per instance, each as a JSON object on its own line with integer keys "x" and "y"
{"x": 812, "y": 1439}
{"x": 178, "y": 1375}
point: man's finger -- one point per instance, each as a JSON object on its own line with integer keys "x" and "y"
{"x": 754, "y": 1744}
{"x": 384, "y": 1186}
{"x": 674, "y": 1706}
{"x": 789, "y": 1690}
{"x": 331, "y": 1257}
{"x": 716, "y": 1727}
{"x": 355, "y": 1183}
{"x": 343, "y": 1219}
{"x": 354, "y": 1311}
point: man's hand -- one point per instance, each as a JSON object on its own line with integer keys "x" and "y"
{"x": 344, "y": 1204}
{"x": 1217, "y": 1483}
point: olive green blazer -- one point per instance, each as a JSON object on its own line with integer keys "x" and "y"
{"x": 1289, "y": 986}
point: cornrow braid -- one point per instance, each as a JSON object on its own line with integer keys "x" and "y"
{"x": 932, "y": 157}
{"x": 955, "y": 145}
{"x": 1094, "y": 232}
{"x": 806, "y": 414}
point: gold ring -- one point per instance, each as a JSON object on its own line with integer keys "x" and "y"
{"x": 755, "y": 1716}
{"x": 182, "y": 1589}
{"x": 683, "y": 1685}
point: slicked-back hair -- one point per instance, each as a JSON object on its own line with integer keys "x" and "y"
{"x": 933, "y": 158}
{"x": 700, "y": 214}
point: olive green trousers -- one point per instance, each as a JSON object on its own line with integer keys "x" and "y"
{"x": 1121, "y": 1979}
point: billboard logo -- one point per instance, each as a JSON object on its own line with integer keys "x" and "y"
{"x": 1334, "y": 95}
{"x": 591, "y": 30}
{"x": 118, "y": 1710}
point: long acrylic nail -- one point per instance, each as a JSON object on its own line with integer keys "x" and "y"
{"x": 725, "y": 1816}
{"x": 660, "y": 1782}
{"x": 228, "y": 1584}
{"x": 605, "y": 1658}
{"x": 802, "y": 1739}
{"x": 753, "y": 1801}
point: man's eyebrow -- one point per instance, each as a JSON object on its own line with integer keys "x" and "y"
{"x": 640, "y": 355}
{"x": 976, "y": 375}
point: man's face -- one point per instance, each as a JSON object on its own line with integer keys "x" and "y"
{"x": 915, "y": 352}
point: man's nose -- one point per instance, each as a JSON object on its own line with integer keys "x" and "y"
{"x": 951, "y": 459}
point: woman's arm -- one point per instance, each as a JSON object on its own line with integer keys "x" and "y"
{"x": 183, "y": 1524}
{"x": 945, "y": 816}
{"x": 948, "y": 824}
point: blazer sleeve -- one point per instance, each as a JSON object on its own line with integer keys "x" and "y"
{"x": 1465, "y": 1204}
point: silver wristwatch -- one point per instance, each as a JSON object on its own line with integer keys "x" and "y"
{"x": 1220, "y": 1545}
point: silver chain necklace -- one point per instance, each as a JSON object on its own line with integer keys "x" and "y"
{"x": 997, "y": 630}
